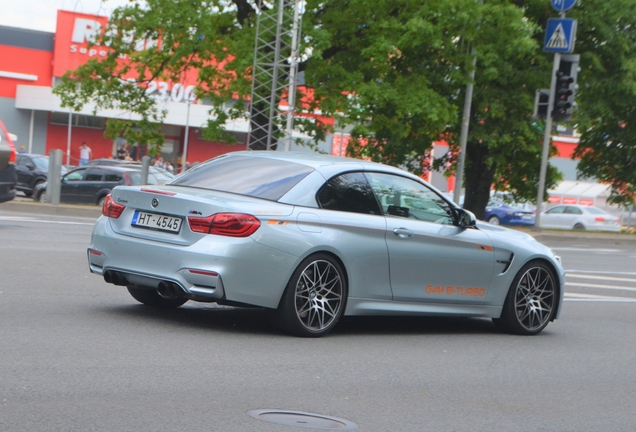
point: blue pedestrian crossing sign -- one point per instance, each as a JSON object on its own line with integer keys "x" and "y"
{"x": 559, "y": 35}
{"x": 563, "y": 5}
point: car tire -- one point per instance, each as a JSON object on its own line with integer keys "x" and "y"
{"x": 579, "y": 227}
{"x": 315, "y": 297}
{"x": 30, "y": 193}
{"x": 41, "y": 197}
{"x": 494, "y": 220}
{"x": 531, "y": 302}
{"x": 100, "y": 201}
{"x": 151, "y": 297}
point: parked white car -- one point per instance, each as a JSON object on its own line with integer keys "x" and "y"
{"x": 579, "y": 217}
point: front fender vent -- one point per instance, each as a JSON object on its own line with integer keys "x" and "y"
{"x": 506, "y": 263}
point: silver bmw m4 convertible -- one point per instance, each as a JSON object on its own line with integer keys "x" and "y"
{"x": 316, "y": 237}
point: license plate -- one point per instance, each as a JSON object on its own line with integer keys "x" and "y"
{"x": 156, "y": 221}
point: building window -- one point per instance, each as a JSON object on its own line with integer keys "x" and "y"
{"x": 61, "y": 118}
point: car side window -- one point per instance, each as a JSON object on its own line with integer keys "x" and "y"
{"x": 573, "y": 210}
{"x": 556, "y": 210}
{"x": 77, "y": 175}
{"x": 348, "y": 192}
{"x": 94, "y": 175}
{"x": 404, "y": 197}
{"x": 113, "y": 177}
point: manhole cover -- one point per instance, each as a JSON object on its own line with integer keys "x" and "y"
{"x": 302, "y": 419}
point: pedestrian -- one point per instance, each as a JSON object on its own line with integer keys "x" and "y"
{"x": 86, "y": 154}
{"x": 121, "y": 153}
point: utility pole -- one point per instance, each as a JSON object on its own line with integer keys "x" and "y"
{"x": 273, "y": 60}
{"x": 560, "y": 35}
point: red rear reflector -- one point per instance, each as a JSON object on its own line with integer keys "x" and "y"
{"x": 160, "y": 192}
{"x": 225, "y": 224}
{"x": 111, "y": 209}
{"x": 94, "y": 252}
{"x": 204, "y": 272}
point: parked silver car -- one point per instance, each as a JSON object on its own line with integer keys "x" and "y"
{"x": 315, "y": 237}
{"x": 579, "y": 217}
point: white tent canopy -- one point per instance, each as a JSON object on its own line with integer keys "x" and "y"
{"x": 579, "y": 192}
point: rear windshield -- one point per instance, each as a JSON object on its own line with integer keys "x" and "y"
{"x": 253, "y": 176}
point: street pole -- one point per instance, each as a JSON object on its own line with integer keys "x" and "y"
{"x": 547, "y": 134}
{"x": 293, "y": 69}
{"x": 185, "y": 141}
{"x": 463, "y": 137}
{"x": 68, "y": 139}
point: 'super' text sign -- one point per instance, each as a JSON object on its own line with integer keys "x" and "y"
{"x": 74, "y": 31}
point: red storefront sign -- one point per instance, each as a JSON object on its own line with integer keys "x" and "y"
{"x": 74, "y": 30}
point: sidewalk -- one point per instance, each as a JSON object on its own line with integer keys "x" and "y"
{"x": 87, "y": 211}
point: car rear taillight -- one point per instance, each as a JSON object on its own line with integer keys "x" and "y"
{"x": 111, "y": 209}
{"x": 599, "y": 219}
{"x": 225, "y": 224}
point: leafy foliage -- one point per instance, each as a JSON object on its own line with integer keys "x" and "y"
{"x": 394, "y": 73}
{"x": 607, "y": 94}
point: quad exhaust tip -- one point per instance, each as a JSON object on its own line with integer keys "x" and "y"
{"x": 165, "y": 289}
{"x": 115, "y": 278}
{"x": 169, "y": 289}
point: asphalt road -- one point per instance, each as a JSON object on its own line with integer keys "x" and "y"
{"x": 77, "y": 354}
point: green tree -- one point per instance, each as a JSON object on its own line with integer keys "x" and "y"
{"x": 397, "y": 71}
{"x": 606, "y": 97}
{"x": 167, "y": 40}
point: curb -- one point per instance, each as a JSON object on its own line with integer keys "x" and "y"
{"x": 59, "y": 210}
{"x": 558, "y": 235}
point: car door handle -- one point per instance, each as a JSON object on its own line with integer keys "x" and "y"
{"x": 403, "y": 232}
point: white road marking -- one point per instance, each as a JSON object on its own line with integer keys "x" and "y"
{"x": 606, "y": 278}
{"x": 589, "y": 250}
{"x": 596, "y": 298}
{"x": 600, "y": 272}
{"x": 582, "y": 285}
{"x": 20, "y": 219}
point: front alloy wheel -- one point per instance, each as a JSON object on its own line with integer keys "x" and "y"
{"x": 315, "y": 297}
{"x": 531, "y": 302}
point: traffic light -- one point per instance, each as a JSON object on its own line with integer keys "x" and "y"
{"x": 541, "y": 104}
{"x": 565, "y": 88}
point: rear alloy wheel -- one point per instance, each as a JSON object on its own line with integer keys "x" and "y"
{"x": 151, "y": 297}
{"x": 494, "y": 220}
{"x": 42, "y": 197}
{"x": 315, "y": 297}
{"x": 531, "y": 301}
{"x": 579, "y": 226}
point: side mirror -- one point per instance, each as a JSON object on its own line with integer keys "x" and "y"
{"x": 466, "y": 219}
{"x": 30, "y": 166}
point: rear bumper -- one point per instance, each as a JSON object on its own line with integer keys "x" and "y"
{"x": 214, "y": 268}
